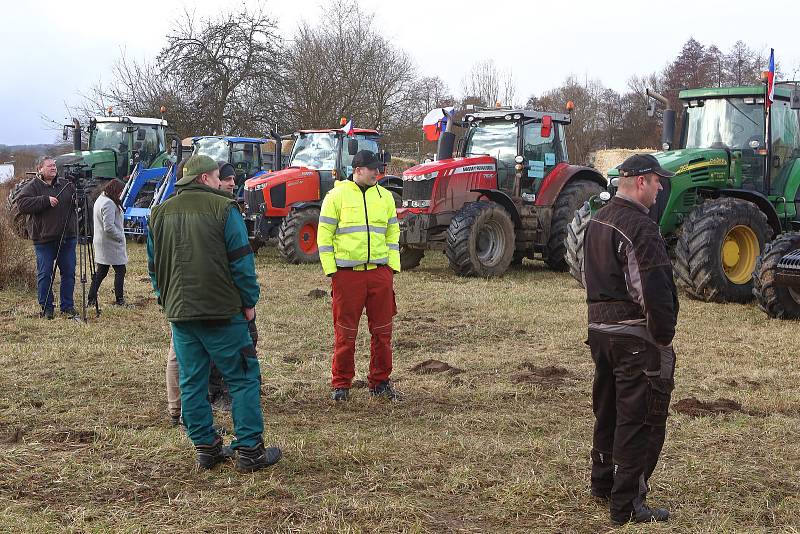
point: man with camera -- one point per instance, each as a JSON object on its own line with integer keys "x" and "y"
{"x": 203, "y": 272}
{"x": 48, "y": 202}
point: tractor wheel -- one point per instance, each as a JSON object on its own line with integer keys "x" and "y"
{"x": 572, "y": 197}
{"x": 777, "y": 301}
{"x": 576, "y": 232}
{"x": 17, "y": 225}
{"x": 410, "y": 257}
{"x": 480, "y": 240}
{"x": 297, "y": 236}
{"x": 718, "y": 245}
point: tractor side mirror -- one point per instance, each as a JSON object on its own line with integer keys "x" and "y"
{"x": 352, "y": 146}
{"x": 386, "y": 157}
{"x": 651, "y": 108}
{"x": 140, "y": 134}
{"x": 547, "y": 127}
{"x": 65, "y": 133}
{"x": 776, "y": 162}
{"x": 794, "y": 99}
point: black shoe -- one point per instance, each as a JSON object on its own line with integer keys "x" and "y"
{"x": 91, "y": 303}
{"x": 340, "y": 394}
{"x": 210, "y": 455}
{"x": 48, "y": 314}
{"x": 644, "y": 514}
{"x": 120, "y": 302}
{"x": 256, "y": 457}
{"x": 176, "y": 420}
{"x": 385, "y": 389}
{"x": 600, "y": 497}
{"x": 70, "y": 313}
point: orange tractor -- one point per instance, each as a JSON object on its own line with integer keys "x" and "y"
{"x": 285, "y": 204}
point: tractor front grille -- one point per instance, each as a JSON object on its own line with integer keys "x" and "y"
{"x": 254, "y": 202}
{"x": 417, "y": 194}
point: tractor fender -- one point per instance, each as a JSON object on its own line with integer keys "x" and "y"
{"x": 504, "y": 200}
{"x": 303, "y": 205}
{"x": 755, "y": 197}
{"x": 560, "y": 176}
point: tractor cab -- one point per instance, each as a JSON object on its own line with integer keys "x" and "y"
{"x": 244, "y": 153}
{"x": 526, "y": 145}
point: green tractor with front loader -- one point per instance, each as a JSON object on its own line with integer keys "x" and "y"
{"x": 736, "y": 185}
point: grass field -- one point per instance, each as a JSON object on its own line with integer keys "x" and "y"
{"x": 499, "y": 444}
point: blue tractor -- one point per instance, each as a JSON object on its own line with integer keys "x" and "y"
{"x": 145, "y": 189}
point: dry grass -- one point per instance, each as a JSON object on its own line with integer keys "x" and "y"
{"x": 501, "y": 446}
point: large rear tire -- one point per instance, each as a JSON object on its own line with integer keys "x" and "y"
{"x": 777, "y": 301}
{"x": 480, "y": 240}
{"x": 718, "y": 245}
{"x": 576, "y": 233}
{"x": 297, "y": 236}
{"x": 571, "y": 198}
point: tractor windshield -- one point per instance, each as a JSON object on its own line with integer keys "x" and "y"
{"x": 109, "y": 135}
{"x": 315, "y": 151}
{"x": 213, "y": 147}
{"x": 496, "y": 139}
{"x": 724, "y": 123}
{"x": 364, "y": 143}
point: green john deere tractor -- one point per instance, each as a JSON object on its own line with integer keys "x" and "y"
{"x": 736, "y": 184}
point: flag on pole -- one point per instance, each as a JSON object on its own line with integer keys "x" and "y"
{"x": 771, "y": 79}
{"x": 348, "y": 128}
{"x": 435, "y": 122}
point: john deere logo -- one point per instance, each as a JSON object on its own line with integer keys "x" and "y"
{"x": 708, "y": 163}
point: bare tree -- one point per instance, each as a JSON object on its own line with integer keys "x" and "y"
{"x": 485, "y": 83}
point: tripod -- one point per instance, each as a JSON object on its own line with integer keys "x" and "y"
{"x": 85, "y": 252}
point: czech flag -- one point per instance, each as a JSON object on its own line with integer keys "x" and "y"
{"x": 771, "y": 79}
{"x": 435, "y": 122}
{"x": 348, "y": 128}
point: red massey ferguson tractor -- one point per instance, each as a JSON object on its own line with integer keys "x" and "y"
{"x": 286, "y": 203}
{"x": 509, "y": 195}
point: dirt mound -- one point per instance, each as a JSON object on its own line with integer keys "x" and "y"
{"x": 697, "y": 408}
{"x": 603, "y": 160}
{"x": 532, "y": 374}
{"x": 429, "y": 367}
{"x": 317, "y": 293}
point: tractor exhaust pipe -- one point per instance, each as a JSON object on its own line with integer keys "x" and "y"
{"x": 668, "y": 128}
{"x": 276, "y": 163}
{"x": 447, "y": 141}
{"x": 76, "y": 135}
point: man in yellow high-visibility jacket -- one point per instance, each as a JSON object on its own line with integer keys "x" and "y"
{"x": 358, "y": 240}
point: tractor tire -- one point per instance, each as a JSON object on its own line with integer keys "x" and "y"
{"x": 576, "y": 232}
{"x": 777, "y": 301}
{"x": 718, "y": 244}
{"x": 480, "y": 240}
{"x": 18, "y": 225}
{"x": 572, "y": 197}
{"x": 297, "y": 236}
{"x": 410, "y": 257}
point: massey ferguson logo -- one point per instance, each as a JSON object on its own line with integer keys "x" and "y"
{"x": 474, "y": 168}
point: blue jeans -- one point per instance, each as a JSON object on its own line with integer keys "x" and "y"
{"x": 45, "y": 260}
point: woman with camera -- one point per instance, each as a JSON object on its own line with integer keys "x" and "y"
{"x": 109, "y": 241}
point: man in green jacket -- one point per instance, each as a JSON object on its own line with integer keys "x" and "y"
{"x": 203, "y": 273}
{"x": 358, "y": 238}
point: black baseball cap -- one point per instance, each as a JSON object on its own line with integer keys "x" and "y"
{"x": 367, "y": 158}
{"x": 225, "y": 170}
{"x": 639, "y": 164}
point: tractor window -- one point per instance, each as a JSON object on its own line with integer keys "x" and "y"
{"x": 364, "y": 143}
{"x": 315, "y": 151}
{"x": 724, "y": 123}
{"x": 785, "y": 143}
{"x": 213, "y": 147}
{"x": 535, "y": 148}
{"x": 244, "y": 156}
{"x": 148, "y": 141}
{"x": 499, "y": 140}
{"x": 109, "y": 135}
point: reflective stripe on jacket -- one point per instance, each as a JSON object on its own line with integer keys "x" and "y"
{"x": 358, "y": 229}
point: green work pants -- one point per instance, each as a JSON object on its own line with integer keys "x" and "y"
{"x": 230, "y": 347}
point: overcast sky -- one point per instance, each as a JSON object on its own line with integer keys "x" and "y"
{"x": 55, "y": 50}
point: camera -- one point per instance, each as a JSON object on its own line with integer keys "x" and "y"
{"x": 80, "y": 175}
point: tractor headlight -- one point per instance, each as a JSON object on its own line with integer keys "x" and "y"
{"x": 605, "y": 196}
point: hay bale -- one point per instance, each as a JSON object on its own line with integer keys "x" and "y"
{"x": 604, "y": 160}
{"x": 398, "y": 165}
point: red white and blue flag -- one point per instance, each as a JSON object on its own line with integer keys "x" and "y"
{"x": 348, "y": 128}
{"x": 771, "y": 79}
{"x": 435, "y": 122}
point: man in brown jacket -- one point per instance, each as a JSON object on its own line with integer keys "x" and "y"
{"x": 633, "y": 310}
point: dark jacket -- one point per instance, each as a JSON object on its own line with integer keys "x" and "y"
{"x": 199, "y": 258}
{"x": 628, "y": 271}
{"x": 46, "y": 223}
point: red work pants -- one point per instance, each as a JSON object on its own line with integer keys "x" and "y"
{"x": 352, "y": 291}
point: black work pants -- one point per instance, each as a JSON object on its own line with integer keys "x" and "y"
{"x": 100, "y": 275}
{"x": 633, "y": 384}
